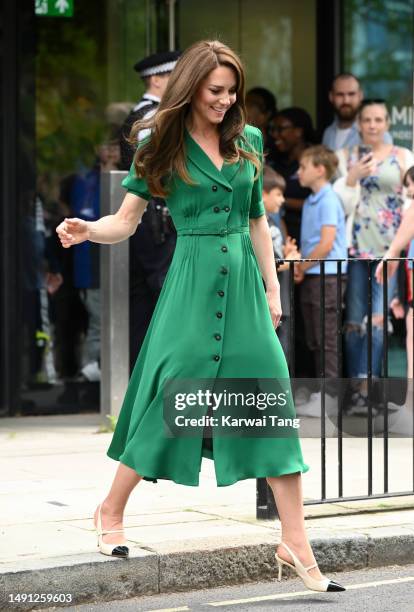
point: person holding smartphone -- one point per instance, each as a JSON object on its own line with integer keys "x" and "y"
{"x": 370, "y": 186}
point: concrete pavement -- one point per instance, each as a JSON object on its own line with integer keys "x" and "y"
{"x": 54, "y": 471}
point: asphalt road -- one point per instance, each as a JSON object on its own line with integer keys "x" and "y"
{"x": 389, "y": 589}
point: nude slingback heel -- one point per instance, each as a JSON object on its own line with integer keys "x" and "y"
{"x": 311, "y": 583}
{"x": 113, "y": 550}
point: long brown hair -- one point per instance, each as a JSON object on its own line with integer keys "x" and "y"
{"x": 163, "y": 154}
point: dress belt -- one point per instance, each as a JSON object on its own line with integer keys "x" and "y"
{"x": 208, "y": 231}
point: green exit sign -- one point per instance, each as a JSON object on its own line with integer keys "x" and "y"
{"x": 54, "y": 8}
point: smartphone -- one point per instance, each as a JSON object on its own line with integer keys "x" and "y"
{"x": 364, "y": 149}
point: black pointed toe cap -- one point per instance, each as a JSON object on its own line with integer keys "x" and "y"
{"x": 334, "y": 586}
{"x": 120, "y": 551}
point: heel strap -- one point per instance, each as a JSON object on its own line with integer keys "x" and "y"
{"x": 311, "y": 566}
{"x": 112, "y": 531}
{"x": 294, "y": 558}
{"x": 289, "y": 551}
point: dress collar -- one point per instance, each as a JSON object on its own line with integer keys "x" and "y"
{"x": 200, "y": 158}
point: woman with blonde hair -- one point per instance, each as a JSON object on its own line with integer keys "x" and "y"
{"x": 213, "y": 320}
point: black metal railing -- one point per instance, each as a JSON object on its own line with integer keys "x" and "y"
{"x": 265, "y": 507}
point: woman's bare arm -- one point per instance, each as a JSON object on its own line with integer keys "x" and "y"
{"x": 106, "y": 230}
{"x": 121, "y": 225}
{"x": 263, "y": 248}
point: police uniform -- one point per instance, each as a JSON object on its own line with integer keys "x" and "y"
{"x": 152, "y": 246}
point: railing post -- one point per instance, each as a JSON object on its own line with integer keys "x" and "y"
{"x": 291, "y": 319}
{"x": 385, "y": 369}
{"x": 369, "y": 374}
{"x": 265, "y": 502}
{"x": 115, "y": 304}
{"x": 408, "y": 382}
{"x": 339, "y": 372}
{"x": 322, "y": 374}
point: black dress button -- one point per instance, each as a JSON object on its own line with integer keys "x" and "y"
{"x": 219, "y": 314}
{"x": 224, "y": 249}
{"x": 214, "y": 188}
{"x": 227, "y": 208}
{"x": 224, "y": 270}
{"x": 217, "y": 337}
{"x": 216, "y": 357}
{"x": 216, "y": 209}
{"x": 221, "y": 293}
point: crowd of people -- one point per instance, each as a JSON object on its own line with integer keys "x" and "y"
{"x": 346, "y": 194}
{"x": 343, "y": 194}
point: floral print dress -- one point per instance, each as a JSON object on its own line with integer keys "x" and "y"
{"x": 378, "y": 213}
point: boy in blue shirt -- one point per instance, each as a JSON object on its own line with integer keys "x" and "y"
{"x": 322, "y": 237}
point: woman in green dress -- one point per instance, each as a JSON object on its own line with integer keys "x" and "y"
{"x": 214, "y": 319}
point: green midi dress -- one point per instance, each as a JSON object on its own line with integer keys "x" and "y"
{"x": 211, "y": 321}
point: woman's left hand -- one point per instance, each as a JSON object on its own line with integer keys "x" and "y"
{"x": 273, "y": 299}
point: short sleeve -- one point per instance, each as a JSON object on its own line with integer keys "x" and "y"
{"x": 135, "y": 185}
{"x": 257, "y": 208}
{"x": 329, "y": 212}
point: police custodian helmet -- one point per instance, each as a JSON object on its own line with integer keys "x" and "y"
{"x": 157, "y": 63}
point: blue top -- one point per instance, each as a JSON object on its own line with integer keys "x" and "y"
{"x": 411, "y": 254}
{"x": 323, "y": 208}
{"x": 353, "y": 138}
{"x": 84, "y": 199}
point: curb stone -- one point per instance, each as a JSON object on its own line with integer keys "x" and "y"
{"x": 90, "y": 579}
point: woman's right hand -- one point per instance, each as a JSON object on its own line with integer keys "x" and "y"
{"x": 73, "y": 231}
{"x": 362, "y": 168}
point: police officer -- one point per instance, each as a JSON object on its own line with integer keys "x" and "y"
{"x": 152, "y": 246}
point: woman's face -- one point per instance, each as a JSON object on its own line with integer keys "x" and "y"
{"x": 410, "y": 187}
{"x": 285, "y": 134}
{"x": 373, "y": 123}
{"x": 216, "y": 94}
